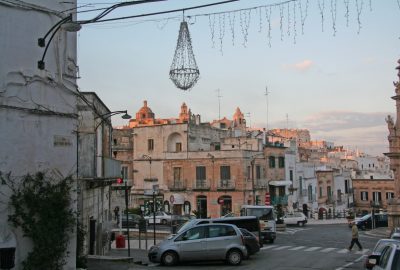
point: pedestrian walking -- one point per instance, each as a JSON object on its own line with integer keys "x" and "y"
{"x": 116, "y": 214}
{"x": 354, "y": 237}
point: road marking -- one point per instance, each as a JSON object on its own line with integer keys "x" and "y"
{"x": 268, "y": 247}
{"x": 362, "y": 251}
{"x": 312, "y": 248}
{"x": 327, "y": 250}
{"x": 297, "y": 248}
{"x": 282, "y": 247}
{"x": 351, "y": 263}
{"x": 345, "y": 250}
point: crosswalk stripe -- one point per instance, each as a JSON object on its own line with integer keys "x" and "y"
{"x": 327, "y": 249}
{"x": 297, "y": 248}
{"x": 282, "y": 247}
{"x": 312, "y": 248}
{"x": 362, "y": 251}
{"x": 345, "y": 250}
{"x": 268, "y": 247}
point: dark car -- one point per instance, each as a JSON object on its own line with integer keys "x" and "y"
{"x": 133, "y": 220}
{"x": 395, "y": 233}
{"x": 251, "y": 242}
{"x": 365, "y": 222}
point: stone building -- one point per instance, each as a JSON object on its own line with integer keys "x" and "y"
{"x": 210, "y": 168}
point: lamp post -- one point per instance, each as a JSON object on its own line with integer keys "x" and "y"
{"x": 105, "y": 116}
{"x": 155, "y": 192}
{"x": 127, "y": 219}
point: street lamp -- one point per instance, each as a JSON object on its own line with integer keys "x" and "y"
{"x": 69, "y": 25}
{"x": 105, "y": 116}
{"x": 155, "y": 192}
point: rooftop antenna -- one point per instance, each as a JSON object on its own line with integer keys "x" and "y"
{"x": 266, "y": 94}
{"x": 219, "y": 103}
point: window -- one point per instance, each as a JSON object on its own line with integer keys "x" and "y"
{"x": 178, "y": 147}
{"x": 124, "y": 172}
{"x": 200, "y": 173}
{"x": 339, "y": 195}
{"x": 192, "y": 234}
{"x": 281, "y": 162}
{"x": 346, "y": 186}
{"x": 271, "y": 161}
{"x": 320, "y": 192}
{"x": 310, "y": 195}
{"x": 376, "y": 196}
{"x": 389, "y": 195}
{"x": 225, "y": 172}
{"x": 177, "y": 173}
{"x": 221, "y": 231}
{"x": 300, "y": 184}
{"x": 364, "y": 195}
{"x": 329, "y": 192}
{"x": 258, "y": 172}
{"x": 291, "y": 175}
{"x": 248, "y": 172}
{"x": 150, "y": 144}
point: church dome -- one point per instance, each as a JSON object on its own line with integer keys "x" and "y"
{"x": 144, "y": 112}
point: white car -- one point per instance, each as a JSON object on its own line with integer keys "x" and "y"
{"x": 161, "y": 218}
{"x": 296, "y": 218}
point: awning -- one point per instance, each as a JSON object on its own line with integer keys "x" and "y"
{"x": 280, "y": 183}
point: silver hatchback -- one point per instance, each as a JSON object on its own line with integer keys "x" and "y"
{"x": 206, "y": 242}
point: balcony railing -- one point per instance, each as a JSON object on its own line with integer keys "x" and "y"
{"x": 283, "y": 200}
{"x": 201, "y": 185}
{"x": 226, "y": 185}
{"x": 177, "y": 186}
{"x": 260, "y": 183}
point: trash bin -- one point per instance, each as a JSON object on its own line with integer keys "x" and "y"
{"x": 7, "y": 258}
{"x": 120, "y": 241}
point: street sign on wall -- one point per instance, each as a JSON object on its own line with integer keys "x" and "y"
{"x": 267, "y": 198}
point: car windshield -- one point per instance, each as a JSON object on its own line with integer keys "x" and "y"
{"x": 261, "y": 213}
{"x": 365, "y": 217}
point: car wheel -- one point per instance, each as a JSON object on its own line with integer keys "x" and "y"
{"x": 271, "y": 241}
{"x": 169, "y": 258}
{"x": 300, "y": 223}
{"x": 164, "y": 222}
{"x": 234, "y": 257}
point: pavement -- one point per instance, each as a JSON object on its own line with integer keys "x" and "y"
{"x": 139, "y": 249}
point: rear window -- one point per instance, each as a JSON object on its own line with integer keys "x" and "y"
{"x": 261, "y": 213}
{"x": 250, "y": 224}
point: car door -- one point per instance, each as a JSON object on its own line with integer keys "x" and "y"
{"x": 219, "y": 238}
{"x": 384, "y": 259}
{"x": 289, "y": 219}
{"x": 192, "y": 244}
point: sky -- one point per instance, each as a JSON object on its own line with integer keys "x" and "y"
{"x": 328, "y": 65}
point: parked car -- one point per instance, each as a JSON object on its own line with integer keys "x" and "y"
{"x": 395, "y": 233}
{"x": 379, "y": 246}
{"x": 133, "y": 220}
{"x": 389, "y": 259}
{"x": 251, "y": 242}
{"x": 161, "y": 218}
{"x": 250, "y": 223}
{"x": 296, "y": 218}
{"x": 206, "y": 242}
{"x": 365, "y": 222}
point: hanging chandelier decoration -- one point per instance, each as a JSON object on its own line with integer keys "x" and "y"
{"x": 184, "y": 72}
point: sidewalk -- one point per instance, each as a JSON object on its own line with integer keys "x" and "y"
{"x": 382, "y": 232}
{"x": 312, "y": 221}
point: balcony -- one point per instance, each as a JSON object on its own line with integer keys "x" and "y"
{"x": 226, "y": 185}
{"x": 177, "y": 186}
{"x": 260, "y": 184}
{"x": 201, "y": 185}
{"x": 153, "y": 179}
{"x": 283, "y": 200}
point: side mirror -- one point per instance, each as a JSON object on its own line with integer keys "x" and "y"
{"x": 372, "y": 261}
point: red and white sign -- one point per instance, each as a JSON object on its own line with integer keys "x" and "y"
{"x": 221, "y": 201}
{"x": 267, "y": 199}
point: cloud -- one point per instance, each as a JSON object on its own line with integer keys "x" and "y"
{"x": 301, "y": 66}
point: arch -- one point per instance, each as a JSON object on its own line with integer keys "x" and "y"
{"x": 174, "y": 140}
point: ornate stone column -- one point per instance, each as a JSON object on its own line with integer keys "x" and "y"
{"x": 394, "y": 156}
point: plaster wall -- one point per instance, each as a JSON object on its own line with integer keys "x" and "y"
{"x": 37, "y": 107}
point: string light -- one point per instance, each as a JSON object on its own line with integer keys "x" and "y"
{"x": 346, "y": 15}
{"x": 303, "y": 16}
{"x": 333, "y": 13}
{"x": 359, "y": 6}
{"x": 288, "y": 19}
{"x": 268, "y": 16}
{"x": 322, "y": 10}
{"x": 245, "y": 24}
{"x": 221, "y": 20}
{"x": 232, "y": 26}
{"x": 281, "y": 10}
{"x": 294, "y": 23}
{"x": 211, "y": 23}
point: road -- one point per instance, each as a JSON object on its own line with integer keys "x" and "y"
{"x": 310, "y": 247}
